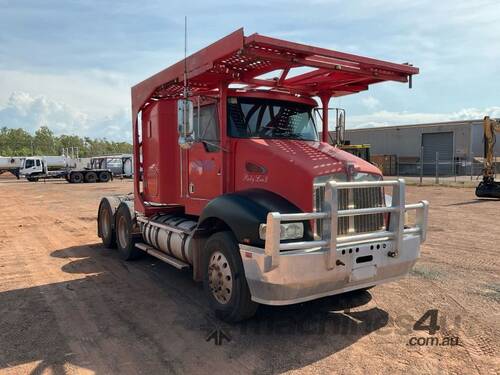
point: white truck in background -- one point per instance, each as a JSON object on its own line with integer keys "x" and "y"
{"x": 11, "y": 164}
{"x": 35, "y": 168}
{"x": 120, "y": 165}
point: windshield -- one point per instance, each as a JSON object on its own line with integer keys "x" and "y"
{"x": 265, "y": 118}
{"x": 29, "y": 163}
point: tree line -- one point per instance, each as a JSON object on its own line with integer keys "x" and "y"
{"x": 19, "y": 142}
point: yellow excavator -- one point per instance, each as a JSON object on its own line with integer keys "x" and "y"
{"x": 489, "y": 188}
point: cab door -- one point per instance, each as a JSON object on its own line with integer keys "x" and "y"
{"x": 32, "y": 166}
{"x": 205, "y": 155}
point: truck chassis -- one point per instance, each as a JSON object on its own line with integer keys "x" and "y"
{"x": 74, "y": 175}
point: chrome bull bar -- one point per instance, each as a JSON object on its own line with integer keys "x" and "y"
{"x": 330, "y": 240}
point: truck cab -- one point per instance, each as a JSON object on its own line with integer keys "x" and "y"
{"x": 237, "y": 185}
{"x": 32, "y": 167}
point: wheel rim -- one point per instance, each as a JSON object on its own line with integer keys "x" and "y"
{"x": 105, "y": 223}
{"x": 220, "y": 278}
{"x": 122, "y": 232}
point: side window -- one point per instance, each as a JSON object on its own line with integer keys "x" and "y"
{"x": 37, "y": 162}
{"x": 207, "y": 129}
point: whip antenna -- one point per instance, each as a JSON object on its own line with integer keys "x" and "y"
{"x": 185, "y": 59}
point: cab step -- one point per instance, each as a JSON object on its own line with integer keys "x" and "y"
{"x": 179, "y": 264}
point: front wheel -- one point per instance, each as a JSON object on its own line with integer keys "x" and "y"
{"x": 224, "y": 279}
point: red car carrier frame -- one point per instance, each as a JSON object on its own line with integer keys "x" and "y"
{"x": 232, "y": 180}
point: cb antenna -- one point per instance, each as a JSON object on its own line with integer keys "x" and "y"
{"x": 185, "y": 59}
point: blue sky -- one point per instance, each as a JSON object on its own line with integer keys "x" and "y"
{"x": 70, "y": 64}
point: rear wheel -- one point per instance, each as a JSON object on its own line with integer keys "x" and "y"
{"x": 76, "y": 177}
{"x": 104, "y": 176}
{"x": 224, "y": 279}
{"x": 105, "y": 223}
{"x": 125, "y": 239}
{"x": 90, "y": 177}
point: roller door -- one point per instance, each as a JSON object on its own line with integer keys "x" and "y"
{"x": 443, "y": 144}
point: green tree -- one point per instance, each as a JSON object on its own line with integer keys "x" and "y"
{"x": 18, "y": 142}
{"x": 45, "y": 142}
{"x": 15, "y": 142}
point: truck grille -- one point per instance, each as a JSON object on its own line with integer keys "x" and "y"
{"x": 356, "y": 198}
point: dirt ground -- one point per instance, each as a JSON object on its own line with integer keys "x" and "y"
{"x": 70, "y": 306}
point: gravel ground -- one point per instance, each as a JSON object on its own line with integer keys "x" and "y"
{"x": 70, "y": 306}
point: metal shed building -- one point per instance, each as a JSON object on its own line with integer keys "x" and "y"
{"x": 453, "y": 144}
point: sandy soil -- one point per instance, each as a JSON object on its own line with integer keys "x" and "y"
{"x": 70, "y": 306}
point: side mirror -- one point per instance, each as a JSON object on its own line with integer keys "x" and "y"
{"x": 342, "y": 120}
{"x": 185, "y": 123}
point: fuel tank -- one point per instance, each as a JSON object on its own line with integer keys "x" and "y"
{"x": 171, "y": 235}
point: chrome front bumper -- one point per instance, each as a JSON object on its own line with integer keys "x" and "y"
{"x": 286, "y": 273}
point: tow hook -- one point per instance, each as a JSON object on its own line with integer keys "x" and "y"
{"x": 339, "y": 263}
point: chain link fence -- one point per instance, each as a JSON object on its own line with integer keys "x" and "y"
{"x": 438, "y": 170}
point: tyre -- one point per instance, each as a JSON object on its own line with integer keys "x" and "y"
{"x": 125, "y": 240}
{"x": 32, "y": 179}
{"x": 76, "y": 177}
{"x": 104, "y": 176}
{"x": 105, "y": 222}
{"x": 90, "y": 177}
{"x": 224, "y": 279}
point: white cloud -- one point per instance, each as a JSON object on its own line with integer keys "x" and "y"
{"x": 94, "y": 91}
{"x": 370, "y": 102}
{"x": 30, "y": 112}
{"x": 387, "y": 118}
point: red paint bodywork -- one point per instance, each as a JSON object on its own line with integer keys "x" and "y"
{"x": 290, "y": 166}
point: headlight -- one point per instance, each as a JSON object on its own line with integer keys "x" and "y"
{"x": 288, "y": 231}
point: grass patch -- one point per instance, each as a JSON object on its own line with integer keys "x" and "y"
{"x": 425, "y": 273}
{"x": 491, "y": 291}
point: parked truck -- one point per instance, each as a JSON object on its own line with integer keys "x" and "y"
{"x": 238, "y": 188}
{"x": 120, "y": 165}
{"x": 11, "y": 164}
{"x": 35, "y": 168}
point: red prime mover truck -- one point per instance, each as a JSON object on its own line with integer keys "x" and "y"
{"x": 236, "y": 185}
